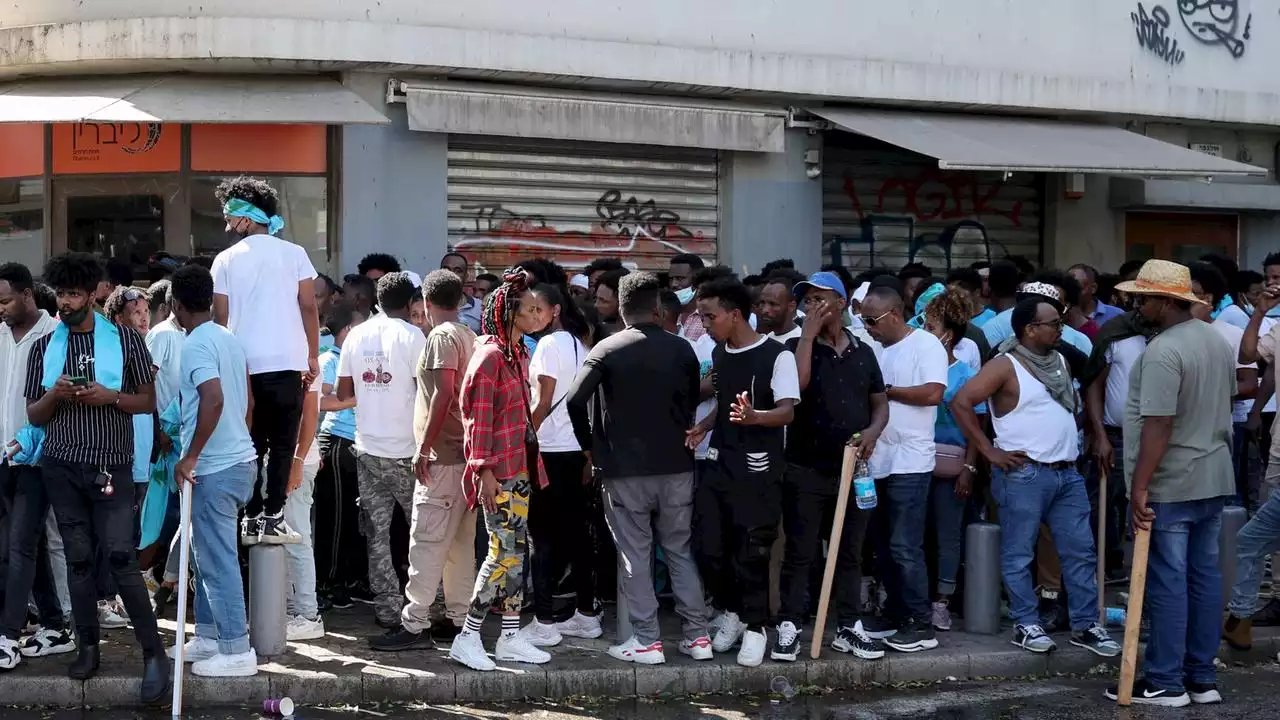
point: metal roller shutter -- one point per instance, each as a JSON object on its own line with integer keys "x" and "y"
{"x": 882, "y": 206}
{"x": 511, "y": 200}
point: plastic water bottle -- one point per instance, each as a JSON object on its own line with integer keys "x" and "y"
{"x": 1115, "y": 616}
{"x": 864, "y": 486}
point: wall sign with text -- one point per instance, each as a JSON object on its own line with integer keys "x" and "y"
{"x": 98, "y": 148}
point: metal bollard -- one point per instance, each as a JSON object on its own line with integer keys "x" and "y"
{"x": 1233, "y": 518}
{"x": 982, "y": 579}
{"x": 267, "y": 619}
{"x": 624, "y": 615}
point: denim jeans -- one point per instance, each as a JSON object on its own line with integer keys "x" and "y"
{"x": 900, "y": 519}
{"x": 1184, "y": 593}
{"x": 948, "y": 515}
{"x": 1258, "y": 539}
{"x": 1028, "y": 496}
{"x": 300, "y": 591}
{"x": 216, "y": 501}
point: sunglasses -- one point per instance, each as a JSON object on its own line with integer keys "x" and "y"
{"x": 134, "y": 294}
{"x": 872, "y": 321}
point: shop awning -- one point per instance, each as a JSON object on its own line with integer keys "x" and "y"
{"x": 185, "y": 99}
{"x": 520, "y": 112}
{"x": 1010, "y": 144}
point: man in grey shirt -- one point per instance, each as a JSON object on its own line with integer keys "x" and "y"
{"x": 1177, "y": 437}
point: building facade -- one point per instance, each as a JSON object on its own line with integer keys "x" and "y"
{"x": 1094, "y": 131}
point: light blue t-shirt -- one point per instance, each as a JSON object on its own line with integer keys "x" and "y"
{"x": 164, "y": 342}
{"x": 983, "y": 317}
{"x": 945, "y": 428}
{"x": 343, "y": 422}
{"x": 213, "y": 353}
{"x": 143, "y": 442}
{"x": 1000, "y": 328}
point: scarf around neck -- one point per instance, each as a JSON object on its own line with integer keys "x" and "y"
{"x": 108, "y": 355}
{"x": 1049, "y": 369}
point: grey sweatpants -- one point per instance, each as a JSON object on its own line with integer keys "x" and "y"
{"x": 635, "y": 507}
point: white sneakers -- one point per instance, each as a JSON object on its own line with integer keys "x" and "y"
{"x": 469, "y": 650}
{"x": 698, "y": 649}
{"x": 111, "y": 615}
{"x": 517, "y": 648}
{"x": 196, "y": 649}
{"x": 633, "y": 651}
{"x": 9, "y": 655}
{"x": 45, "y": 642}
{"x": 243, "y": 664}
{"x": 729, "y": 633}
{"x": 754, "y": 645}
{"x": 542, "y": 635}
{"x": 300, "y": 628}
{"x": 581, "y": 626}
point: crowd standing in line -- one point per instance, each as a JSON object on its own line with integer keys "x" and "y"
{"x": 500, "y": 443}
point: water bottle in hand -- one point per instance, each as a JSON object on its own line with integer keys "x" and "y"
{"x": 864, "y": 486}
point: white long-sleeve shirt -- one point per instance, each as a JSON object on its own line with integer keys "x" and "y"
{"x": 13, "y": 375}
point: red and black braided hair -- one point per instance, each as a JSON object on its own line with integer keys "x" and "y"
{"x": 500, "y": 308}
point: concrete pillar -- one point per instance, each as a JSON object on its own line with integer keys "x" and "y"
{"x": 769, "y": 208}
{"x": 1082, "y": 230}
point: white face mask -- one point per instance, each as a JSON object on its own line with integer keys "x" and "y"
{"x": 685, "y": 296}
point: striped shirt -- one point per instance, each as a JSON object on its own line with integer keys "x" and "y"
{"x": 82, "y": 433}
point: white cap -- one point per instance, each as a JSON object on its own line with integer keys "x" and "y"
{"x": 579, "y": 280}
{"x": 861, "y": 293}
{"x": 414, "y": 278}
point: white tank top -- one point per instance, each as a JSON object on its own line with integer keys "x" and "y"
{"x": 1038, "y": 426}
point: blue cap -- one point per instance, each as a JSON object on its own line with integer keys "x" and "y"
{"x": 822, "y": 281}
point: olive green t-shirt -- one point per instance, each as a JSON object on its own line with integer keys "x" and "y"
{"x": 449, "y": 347}
{"x": 1187, "y": 372}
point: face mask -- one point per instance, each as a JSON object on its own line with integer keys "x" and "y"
{"x": 685, "y": 296}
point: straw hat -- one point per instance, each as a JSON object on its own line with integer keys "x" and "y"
{"x": 1162, "y": 278}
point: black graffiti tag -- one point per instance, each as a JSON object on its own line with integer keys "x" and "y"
{"x": 631, "y": 217}
{"x": 1153, "y": 34}
{"x": 1216, "y": 22}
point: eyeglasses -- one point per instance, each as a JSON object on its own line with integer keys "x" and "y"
{"x": 1055, "y": 324}
{"x": 872, "y": 321}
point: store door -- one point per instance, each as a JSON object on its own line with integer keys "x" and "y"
{"x": 1180, "y": 237}
{"x": 128, "y": 218}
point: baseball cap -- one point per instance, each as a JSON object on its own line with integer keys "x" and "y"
{"x": 822, "y": 281}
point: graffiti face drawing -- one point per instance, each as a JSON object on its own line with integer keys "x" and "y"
{"x": 1216, "y": 22}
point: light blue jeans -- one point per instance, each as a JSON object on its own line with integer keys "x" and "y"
{"x": 216, "y": 501}
{"x": 1258, "y": 539}
{"x": 300, "y": 591}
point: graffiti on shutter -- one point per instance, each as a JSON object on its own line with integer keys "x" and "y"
{"x": 885, "y": 207}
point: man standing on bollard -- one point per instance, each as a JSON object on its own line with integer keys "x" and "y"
{"x": 1178, "y": 466}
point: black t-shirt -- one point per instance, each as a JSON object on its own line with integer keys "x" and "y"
{"x": 82, "y": 433}
{"x": 835, "y": 405}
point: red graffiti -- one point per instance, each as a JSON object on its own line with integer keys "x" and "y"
{"x": 939, "y": 195}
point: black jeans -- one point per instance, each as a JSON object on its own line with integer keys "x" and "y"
{"x": 559, "y": 528}
{"x": 85, "y": 515}
{"x": 24, "y": 567}
{"x": 735, "y": 524}
{"x": 277, "y": 411}
{"x": 341, "y": 556}
{"x": 808, "y": 510}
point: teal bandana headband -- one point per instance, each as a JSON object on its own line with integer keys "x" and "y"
{"x": 236, "y": 207}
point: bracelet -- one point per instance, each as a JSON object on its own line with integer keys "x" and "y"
{"x": 971, "y": 469}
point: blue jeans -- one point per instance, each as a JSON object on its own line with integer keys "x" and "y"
{"x": 1035, "y": 494}
{"x": 216, "y": 501}
{"x": 900, "y": 519}
{"x": 1256, "y": 541}
{"x": 1184, "y": 593}
{"x": 948, "y": 515}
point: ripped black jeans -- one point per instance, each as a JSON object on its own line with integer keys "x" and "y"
{"x": 90, "y": 519}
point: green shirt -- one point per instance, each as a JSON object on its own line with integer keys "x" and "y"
{"x": 1187, "y": 373}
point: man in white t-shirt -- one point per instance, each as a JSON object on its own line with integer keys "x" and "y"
{"x": 778, "y": 305}
{"x": 914, "y": 365}
{"x": 265, "y": 295}
{"x": 377, "y": 368}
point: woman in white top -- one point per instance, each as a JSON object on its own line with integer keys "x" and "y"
{"x": 559, "y": 514}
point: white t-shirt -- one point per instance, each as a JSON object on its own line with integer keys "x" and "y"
{"x": 164, "y": 342}
{"x": 907, "y": 443}
{"x": 1233, "y": 335}
{"x": 783, "y": 338}
{"x": 702, "y": 347}
{"x": 312, "y": 458}
{"x": 380, "y": 356}
{"x": 1121, "y": 356}
{"x": 967, "y": 352}
{"x": 785, "y": 382}
{"x": 559, "y": 355}
{"x": 1263, "y": 330}
{"x": 260, "y": 276}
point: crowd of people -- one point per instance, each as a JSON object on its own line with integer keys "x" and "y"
{"x": 439, "y": 447}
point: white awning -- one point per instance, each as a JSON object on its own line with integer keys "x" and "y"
{"x": 1011, "y": 144}
{"x": 519, "y": 112}
{"x": 186, "y": 99}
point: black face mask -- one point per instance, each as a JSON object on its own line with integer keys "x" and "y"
{"x": 77, "y": 317}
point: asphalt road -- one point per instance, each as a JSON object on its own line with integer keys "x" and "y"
{"x": 1249, "y": 693}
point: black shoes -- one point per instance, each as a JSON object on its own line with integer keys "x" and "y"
{"x": 86, "y": 663}
{"x": 155, "y": 678}
{"x": 444, "y": 630}
{"x": 399, "y": 639}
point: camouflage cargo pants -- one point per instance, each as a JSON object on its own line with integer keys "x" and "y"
{"x": 500, "y": 581}
{"x": 384, "y": 483}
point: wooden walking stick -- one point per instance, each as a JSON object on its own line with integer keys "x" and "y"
{"x": 1102, "y": 547}
{"x": 833, "y": 548}
{"x": 1133, "y": 617}
{"x": 184, "y": 547}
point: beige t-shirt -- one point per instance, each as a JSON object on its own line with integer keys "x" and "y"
{"x": 1267, "y": 344}
{"x": 449, "y": 347}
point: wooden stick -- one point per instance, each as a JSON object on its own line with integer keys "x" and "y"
{"x": 1133, "y": 618}
{"x": 1102, "y": 548}
{"x": 184, "y": 547}
{"x": 833, "y": 548}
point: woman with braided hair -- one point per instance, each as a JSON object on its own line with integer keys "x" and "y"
{"x": 502, "y": 461}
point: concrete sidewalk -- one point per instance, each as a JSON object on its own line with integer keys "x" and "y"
{"x": 341, "y": 669}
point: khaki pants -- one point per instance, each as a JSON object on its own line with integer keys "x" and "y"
{"x": 441, "y": 547}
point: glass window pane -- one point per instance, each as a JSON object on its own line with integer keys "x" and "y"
{"x": 303, "y": 205}
{"x": 22, "y": 222}
{"x": 129, "y": 227}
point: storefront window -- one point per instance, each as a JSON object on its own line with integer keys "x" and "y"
{"x": 22, "y": 222}
{"x": 126, "y": 227}
{"x": 302, "y": 205}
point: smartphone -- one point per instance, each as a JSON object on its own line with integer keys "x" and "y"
{"x": 80, "y": 381}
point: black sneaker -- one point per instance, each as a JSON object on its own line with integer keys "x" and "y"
{"x": 854, "y": 640}
{"x": 879, "y": 628}
{"x": 1145, "y": 694}
{"x": 787, "y": 645}
{"x": 1203, "y": 693}
{"x": 323, "y": 604}
{"x": 444, "y": 630}
{"x": 390, "y": 624}
{"x": 361, "y": 594}
{"x": 341, "y": 599}
{"x": 913, "y": 636}
{"x": 164, "y": 595}
{"x": 1096, "y": 640}
{"x": 273, "y": 530}
{"x": 398, "y": 639}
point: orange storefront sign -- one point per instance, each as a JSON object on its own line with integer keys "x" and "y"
{"x": 116, "y": 148}
{"x": 21, "y": 150}
{"x": 295, "y": 149}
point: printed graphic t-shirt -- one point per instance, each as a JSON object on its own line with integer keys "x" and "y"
{"x": 380, "y": 356}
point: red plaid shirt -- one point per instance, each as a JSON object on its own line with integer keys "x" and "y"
{"x": 495, "y": 417}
